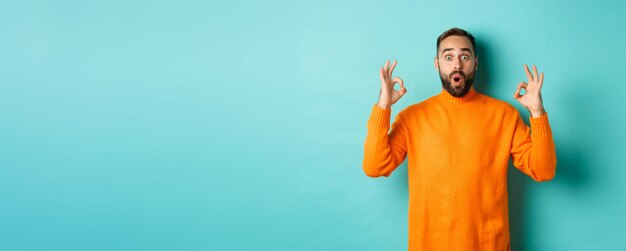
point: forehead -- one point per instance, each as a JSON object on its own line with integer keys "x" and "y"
{"x": 456, "y": 43}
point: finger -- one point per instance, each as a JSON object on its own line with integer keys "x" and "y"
{"x": 535, "y": 74}
{"x": 402, "y": 91}
{"x": 382, "y": 74}
{"x": 399, "y": 81}
{"x": 530, "y": 76}
{"x": 516, "y": 95}
{"x": 541, "y": 80}
{"x": 387, "y": 68}
{"x": 519, "y": 88}
{"x": 392, "y": 67}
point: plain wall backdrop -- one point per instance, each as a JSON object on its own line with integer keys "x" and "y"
{"x": 239, "y": 125}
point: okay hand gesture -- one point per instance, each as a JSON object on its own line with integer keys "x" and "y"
{"x": 532, "y": 98}
{"x": 388, "y": 95}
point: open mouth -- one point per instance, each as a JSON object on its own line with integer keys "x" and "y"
{"x": 457, "y": 79}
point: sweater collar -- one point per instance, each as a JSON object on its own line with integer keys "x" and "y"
{"x": 446, "y": 97}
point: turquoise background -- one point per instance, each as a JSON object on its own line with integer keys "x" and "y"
{"x": 239, "y": 125}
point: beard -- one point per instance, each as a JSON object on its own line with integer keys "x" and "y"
{"x": 460, "y": 91}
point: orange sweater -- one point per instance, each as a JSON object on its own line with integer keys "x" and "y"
{"x": 458, "y": 152}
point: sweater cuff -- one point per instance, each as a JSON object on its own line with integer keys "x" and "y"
{"x": 540, "y": 126}
{"x": 379, "y": 118}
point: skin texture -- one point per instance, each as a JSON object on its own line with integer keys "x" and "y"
{"x": 456, "y": 55}
{"x": 388, "y": 95}
{"x": 532, "y": 98}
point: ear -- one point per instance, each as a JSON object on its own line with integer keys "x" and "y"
{"x": 436, "y": 64}
{"x": 476, "y": 64}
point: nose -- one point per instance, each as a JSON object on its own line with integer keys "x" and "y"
{"x": 457, "y": 64}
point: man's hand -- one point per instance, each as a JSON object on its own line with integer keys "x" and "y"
{"x": 532, "y": 98}
{"x": 388, "y": 95}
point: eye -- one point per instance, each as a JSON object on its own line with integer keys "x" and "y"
{"x": 448, "y": 58}
{"x": 465, "y": 57}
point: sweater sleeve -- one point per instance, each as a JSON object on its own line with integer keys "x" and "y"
{"x": 384, "y": 151}
{"x": 533, "y": 149}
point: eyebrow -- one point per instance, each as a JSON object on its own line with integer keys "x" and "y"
{"x": 462, "y": 49}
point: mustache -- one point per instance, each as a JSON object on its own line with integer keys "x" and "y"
{"x": 456, "y": 72}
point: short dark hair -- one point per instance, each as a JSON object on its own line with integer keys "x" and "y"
{"x": 456, "y": 32}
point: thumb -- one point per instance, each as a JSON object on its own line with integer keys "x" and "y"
{"x": 521, "y": 85}
{"x": 398, "y": 80}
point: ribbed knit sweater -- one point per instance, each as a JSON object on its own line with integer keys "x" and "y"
{"x": 458, "y": 154}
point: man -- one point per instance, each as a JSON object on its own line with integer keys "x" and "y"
{"x": 458, "y": 144}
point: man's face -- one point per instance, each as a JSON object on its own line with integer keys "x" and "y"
{"x": 456, "y": 64}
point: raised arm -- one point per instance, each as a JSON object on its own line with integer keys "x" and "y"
{"x": 533, "y": 149}
{"x": 384, "y": 150}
